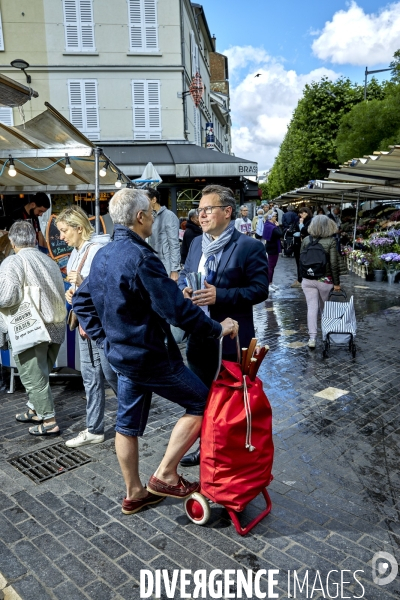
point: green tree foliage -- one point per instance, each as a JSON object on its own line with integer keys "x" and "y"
{"x": 395, "y": 66}
{"x": 264, "y": 189}
{"x": 369, "y": 126}
{"x": 309, "y": 147}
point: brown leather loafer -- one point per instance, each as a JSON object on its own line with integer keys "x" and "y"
{"x": 183, "y": 489}
{"x": 130, "y": 507}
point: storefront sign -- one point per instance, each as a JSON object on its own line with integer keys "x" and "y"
{"x": 210, "y": 138}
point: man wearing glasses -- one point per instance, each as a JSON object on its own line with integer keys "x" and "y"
{"x": 235, "y": 272}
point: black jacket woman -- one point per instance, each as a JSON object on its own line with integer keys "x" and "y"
{"x": 272, "y": 234}
{"x": 299, "y": 235}
{"x": 316, "y": 291}
{"x": 192, "y": 230}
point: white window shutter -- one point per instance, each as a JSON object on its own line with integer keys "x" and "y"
{"x": 71, "y": 25}
{"x": 91, "y": 107}
{"x": 146, "y": 109}
{"x": 87, "y": 25}
{"x": 197, "y": 125}
{"x": 76, "y": 104}
{"x": 6, "y": 116}
{"x": 143, "y": 27}
{"x": 135, "y": 25}
{"x": 193, "y": 53}
{"x": 1, "y": 34}
{"x": 139, "y": 109}
{"x": 84, "y": 107}
{"x": 150, "y": 25}
{"x": 197, "y": 59}
{"x": 154, "y": 109}
{"x": 79, "y": 25}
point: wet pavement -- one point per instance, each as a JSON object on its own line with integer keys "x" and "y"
{"x": 336, "y": 488}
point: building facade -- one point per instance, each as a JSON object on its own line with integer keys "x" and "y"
{"x": 119, "y": 71}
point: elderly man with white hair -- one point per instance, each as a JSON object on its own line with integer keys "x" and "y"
{"x": 128, "y": 302}
{"x": 30, "y": 267}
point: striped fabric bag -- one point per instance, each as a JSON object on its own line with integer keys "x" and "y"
{"x": 339, "y": 320}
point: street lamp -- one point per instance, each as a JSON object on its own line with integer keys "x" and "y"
{"x": 370, "y": 73}
{"x": 20, "y": 63}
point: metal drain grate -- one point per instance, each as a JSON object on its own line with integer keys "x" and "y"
{"x": 49, "y": 462}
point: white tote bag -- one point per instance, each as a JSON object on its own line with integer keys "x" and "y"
{"x": 24, "y": 324}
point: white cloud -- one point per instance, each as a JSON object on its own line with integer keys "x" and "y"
{"x": 263, "y": 106}
{"x": 356, "y": 38}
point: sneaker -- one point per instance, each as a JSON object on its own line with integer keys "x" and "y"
{"x": 84, "y": 438}
{"x": 296, "y": 284}
{"x": 312, "y": 343}
{"x": 274, "y": 288}
{"x": 130, "y": 507}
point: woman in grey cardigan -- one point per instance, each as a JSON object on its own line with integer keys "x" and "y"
{"x": 317, "y": 291}
{"x": 31, "y": 267}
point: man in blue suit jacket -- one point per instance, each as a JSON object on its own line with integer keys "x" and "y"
{"x": 235, "y": 268}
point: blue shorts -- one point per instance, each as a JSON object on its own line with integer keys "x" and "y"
{"x": 177, "y": 384}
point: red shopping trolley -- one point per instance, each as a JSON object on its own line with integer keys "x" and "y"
{"x": 236, "y": 452}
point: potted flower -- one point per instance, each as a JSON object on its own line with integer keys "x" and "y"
{"x": 379, "y": 245}
{"x": 391, "y": 261}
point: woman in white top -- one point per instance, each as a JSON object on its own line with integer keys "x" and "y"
{"x": 28, "y": 266}
{"x": 75, "y": 228}
{"x": 243, "y": 223}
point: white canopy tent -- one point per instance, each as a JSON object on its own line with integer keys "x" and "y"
{"x": 43, "y": 148}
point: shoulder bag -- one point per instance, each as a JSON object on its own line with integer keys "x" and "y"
{"x": 25, "y": 325}
{"x": 72, "y": 318}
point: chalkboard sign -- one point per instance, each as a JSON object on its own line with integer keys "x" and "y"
{"x": 59, "y": 248}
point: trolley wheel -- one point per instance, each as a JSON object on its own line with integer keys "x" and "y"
{"x": 197, "y": 508}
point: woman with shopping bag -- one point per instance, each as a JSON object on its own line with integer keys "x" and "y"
{"x": 32, "y": 308}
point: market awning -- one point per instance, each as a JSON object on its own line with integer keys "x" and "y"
{"x": 39, "y": 150}
{"x": 182, "y": 160}
{"x": 13, "y": 93}
{"x": 340, "y": 192}
{"x": 379, "y": 169}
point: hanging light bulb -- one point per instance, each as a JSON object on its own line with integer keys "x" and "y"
{"x": 11, "y": 169}
{"x": 68, "y": 168}
{"x": 103, "y": 170}
{"x": 118, "y": 183}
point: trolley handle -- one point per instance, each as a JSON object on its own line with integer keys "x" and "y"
{"x": 239, "y": 355}
{"x": 338, "y": 294}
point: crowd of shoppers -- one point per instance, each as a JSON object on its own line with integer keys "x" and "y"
{"x": 130, "y": 295}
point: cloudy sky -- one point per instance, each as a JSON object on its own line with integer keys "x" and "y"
{"x": 291, "y": 43}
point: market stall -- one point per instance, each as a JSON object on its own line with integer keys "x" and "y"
{"x": 48, "y": 154}
{"x": 370, "y": 189}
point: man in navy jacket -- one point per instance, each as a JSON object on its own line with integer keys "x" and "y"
{"x": 236, "y": 280}
{"x": 127, "y": 303}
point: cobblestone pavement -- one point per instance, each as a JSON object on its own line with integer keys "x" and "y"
{"x": 336, "y": 478}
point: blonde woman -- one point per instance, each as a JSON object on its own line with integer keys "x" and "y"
{"x": 75, "y": 228}
{"x": 321, "y": 230}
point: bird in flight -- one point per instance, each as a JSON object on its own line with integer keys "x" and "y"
{"x": 258, "y": 75}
